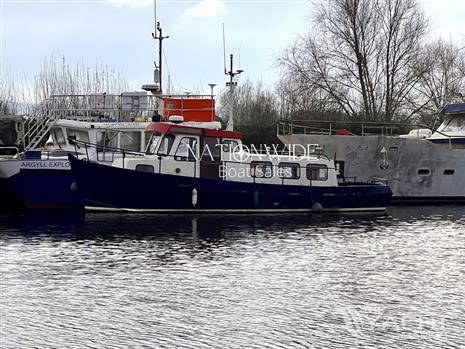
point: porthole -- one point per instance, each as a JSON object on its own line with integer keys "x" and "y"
{"x": 423, "y": 171}
{"x": 449, "y": 172}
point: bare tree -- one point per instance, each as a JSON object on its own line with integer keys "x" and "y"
{"x": 64, "y": 79}
{"x": 8, "y": 100}
{"x": 256, "y": 109}
{"x": 444, "y": 80}
{"x": 300, "y": 100}
{"x": 361, "y": 55}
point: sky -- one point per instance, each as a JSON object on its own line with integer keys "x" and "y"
{"x": 117, "y": 33}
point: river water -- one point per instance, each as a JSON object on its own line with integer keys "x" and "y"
{"x": 391, "y": 280}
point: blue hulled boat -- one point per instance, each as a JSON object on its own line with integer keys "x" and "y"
{"x": 192, "y": 169}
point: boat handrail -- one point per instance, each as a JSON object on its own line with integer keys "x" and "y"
{"x": 6, "y": 148}
{"x": 288, "y": 127}
{"x": 101, "y": 149}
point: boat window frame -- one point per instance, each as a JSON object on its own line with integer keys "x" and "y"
{"x": 56, "y": 139}
{"x": 266, "y": 164}
{"x": 139, "y": 167}
{"x": 71, "y": 139}
{"x": 446, "y": 126}
{"x": 110, "y": 139}
{"x": 190, "y": 156}
{"x": 211, "y": 147}
{"x": 171, "y": 138}
{"x": 153, "y": 148}
{"x": 130, "y": 135}
{"x": 291, "y": 165}
{"x": 311, "y": 167}
{"x": 424, "y": 172}
{"x": 229, "y": 148}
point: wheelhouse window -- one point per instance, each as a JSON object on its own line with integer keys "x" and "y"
{"x": 78, "y": 135}
{"x": 153, "y": 143}
{"x": 165, "y": 145}
{"x": 230, "y": 145}
{"x": 211, "y": 149}
{"x": 455, "y": 124}
{"x": 187, "y": 149}
{"x": 58, "y": 136}
{"x": 130, "y": 140}
{"x": 261, "y": 169}
{"x": 289, "y": 170}
{"x": 317, "y": 172}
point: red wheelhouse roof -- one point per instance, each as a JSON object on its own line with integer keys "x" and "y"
{"x": 169, "y": 128}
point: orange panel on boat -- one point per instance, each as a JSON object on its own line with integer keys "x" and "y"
{"x": 192, "y": 109}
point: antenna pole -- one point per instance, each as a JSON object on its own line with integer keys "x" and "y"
{"x": 224, "y": 51}
{"x": 232, "y": 84}
{"x": 155, "y": 14}
{"x": 158, "y": 35}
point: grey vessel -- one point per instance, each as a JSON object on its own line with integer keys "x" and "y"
{"x": 423, "y": 166}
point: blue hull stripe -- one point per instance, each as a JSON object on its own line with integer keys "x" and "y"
{"x": 453, "y": 140}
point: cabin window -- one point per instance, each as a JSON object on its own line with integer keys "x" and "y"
{"x": 211, "y": 149}
{"x": 230, "y": 145}
{"x": 317, "y": 172}
{"x": 289, "y": 170}
{"x": 78, "y": 135}
{"x": 187, "y": 149}
{"x": 449, "y": 172}
{"x": 153, "y": 143}
{"x": 455, "y": 124}
{"x": 130, "y": 140}
{"x": 58, "y": 136}
{"x": 423, "y": 171}
{"x": 145, "y": 168}
{"x": 261, "y": 169}
{"x": 147, "y": 139}
{"x": 106, "y": 139}
{"x": 166, "y": 145}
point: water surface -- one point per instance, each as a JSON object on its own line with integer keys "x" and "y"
{"x": 393, "y": 280}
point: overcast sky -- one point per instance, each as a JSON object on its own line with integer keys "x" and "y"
{"x": 117, "y": 33}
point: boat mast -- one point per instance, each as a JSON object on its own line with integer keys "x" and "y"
{"x": 158, "y": 35}
{"x": 232, "y": 84}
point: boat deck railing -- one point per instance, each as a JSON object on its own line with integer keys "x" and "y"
{"x": 330, "y": 127}
{"x": 102, "y": 153}
{"x": 354, "y": 128}
{"x": 119, "y": 107}
{"x": 124, "y": 107}
{"x": 9, "y": 151}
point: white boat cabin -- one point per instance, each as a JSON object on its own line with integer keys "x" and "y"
{"x": 125, "y": 135}
{"x": 216, "y": 154}
{"x": 452, "y": 130}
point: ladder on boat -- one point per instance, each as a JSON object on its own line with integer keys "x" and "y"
{"x": 38, "y": 125}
